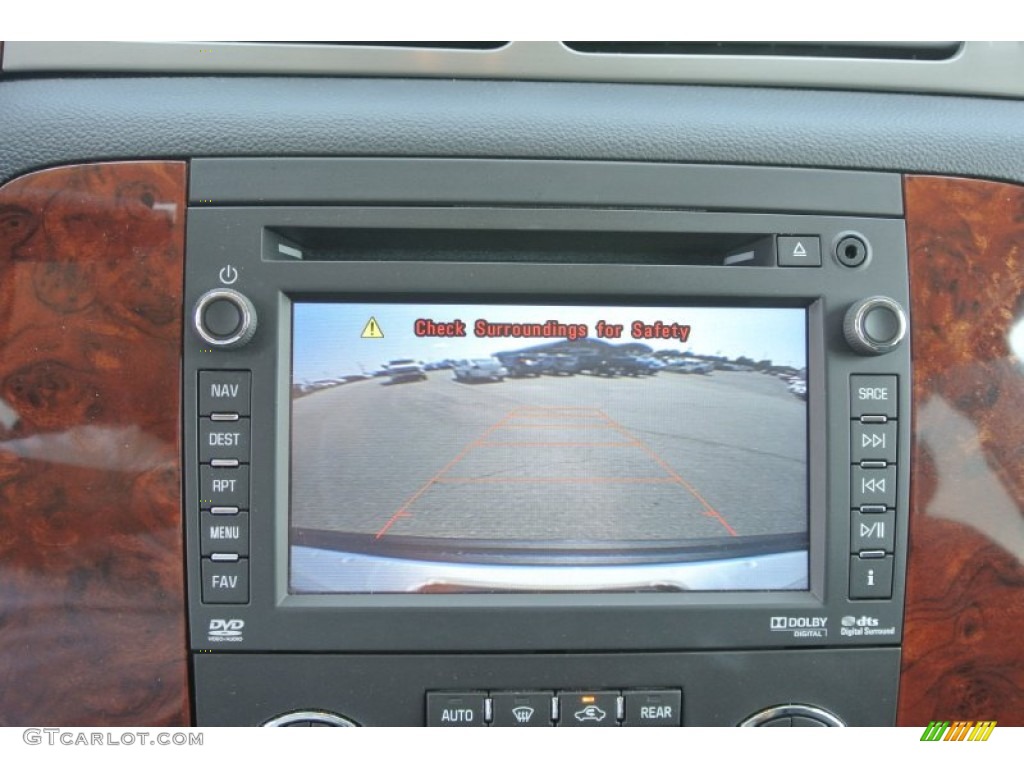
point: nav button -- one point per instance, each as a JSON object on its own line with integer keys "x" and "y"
{"x": 224, "y": 392}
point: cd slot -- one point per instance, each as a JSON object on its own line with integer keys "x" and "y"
{"x": 513, "y": 245}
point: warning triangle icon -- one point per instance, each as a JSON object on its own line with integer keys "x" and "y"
{"x": 372, "y": 330}
{"x": 799, "y": 250}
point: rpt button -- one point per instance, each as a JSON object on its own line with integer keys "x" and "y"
{"x": 224, "y": 487}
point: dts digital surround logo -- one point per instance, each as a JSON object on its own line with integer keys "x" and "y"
{"x": 960, "y": 730}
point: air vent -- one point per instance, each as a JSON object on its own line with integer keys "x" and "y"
{"x": 430, "y": 45}
{"x": 897, "y": 50}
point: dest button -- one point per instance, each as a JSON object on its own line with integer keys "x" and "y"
{"x": 456, "y": 710}
{"x": 223, "y": 440}
{"x": 653, "y": 708}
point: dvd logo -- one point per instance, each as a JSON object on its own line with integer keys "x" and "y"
{"x": 226, "y": 627}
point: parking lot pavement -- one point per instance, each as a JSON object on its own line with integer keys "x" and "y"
{"x": 573, "y": 459}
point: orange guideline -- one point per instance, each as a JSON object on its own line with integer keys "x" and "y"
{"x": 554, "y": 414}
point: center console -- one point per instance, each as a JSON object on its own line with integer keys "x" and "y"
{"x": 531, "y": 443}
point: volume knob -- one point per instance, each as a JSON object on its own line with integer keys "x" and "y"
{"x": 224, "y": 318}
{"x": 875, "y": 325}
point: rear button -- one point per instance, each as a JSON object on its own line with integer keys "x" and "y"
{"x": 653, "y": 708}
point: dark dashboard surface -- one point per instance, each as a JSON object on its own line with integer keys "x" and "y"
{"x": 53, "y": 121}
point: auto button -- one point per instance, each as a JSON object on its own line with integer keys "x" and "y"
{"x": 456, "y": 709}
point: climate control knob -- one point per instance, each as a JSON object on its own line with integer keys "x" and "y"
{"x": 224, "y": 318}
{"x": 793, "y": 716}
{"x": 875, "y": 325}
{"x": 309, "y": 718}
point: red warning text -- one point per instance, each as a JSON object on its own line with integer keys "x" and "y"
{"x": 659, "y": 330}
{"x": 552, "y": 329}
{"x": 427, "y": 327}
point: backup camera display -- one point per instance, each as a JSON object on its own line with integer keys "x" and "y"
{"x": 456, "y": 448}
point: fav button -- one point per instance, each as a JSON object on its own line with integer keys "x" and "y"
{"x": 225, "y": 582}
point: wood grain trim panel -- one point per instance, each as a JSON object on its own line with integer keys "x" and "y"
{"x": 963, "y": 653}
{"x": 92, "y": 603}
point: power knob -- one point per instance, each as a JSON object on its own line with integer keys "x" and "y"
{"x": 875, "y": 325}
{"x": 224, "y": 318}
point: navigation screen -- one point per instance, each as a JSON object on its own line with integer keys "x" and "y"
{"x": 457, "y": 448}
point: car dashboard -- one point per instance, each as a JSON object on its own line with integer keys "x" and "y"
{"x": 683, "y": 384}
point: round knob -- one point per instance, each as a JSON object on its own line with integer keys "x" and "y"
{"x": 309, "y": 718}
{"x": 875, "y": 326}
{"x": 224, "y": 318}
{"x": 789, "y": 715}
